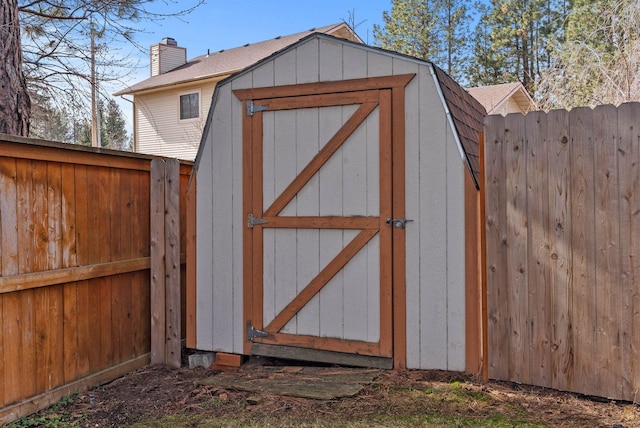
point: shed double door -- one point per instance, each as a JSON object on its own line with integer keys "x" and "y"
{"x": 319, "y": 204}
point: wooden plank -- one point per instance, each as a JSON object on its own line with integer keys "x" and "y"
{"x": 71, "y": 329}
{"x": 2, "y": 375}
{"x": 83, "y": 328}
{"x": 54, "y": 215}
{"x": 73, "y": 154}
{"x": 46, "y": 278}
{"x": 538, "y": 252}
{"x": 27, "y": 322}
{"x": 560, "y": 235}
{"x": 497, "y": 300}
{"x": 369, "y": 83}
{"x": 116, "y": 218}
{"x": 127, "y": 224}
{"x": 324, "y": 222}
{"x": 172, "y": 333}
{"x": 392, "y": 128}
{"x": 257, "y": 204}
{"x": 628, "y": 159}
{"x": 13, "y": 380}
{"x": 8, "y": 217}
{"x": 323, "y": 343}
{"x": 607, "y": 247}
{"x": 319, "y": 355}
{"x": 247, "y": 236}
{"x": 473, "y": 297}
{"x": 515, "y": 151}
{"x": 583, "y": 291}
{"x": 484, "y": 321}
{"x": 158, "y": 296}
{"x": 138, "y": 317}
{"x": 102, "y": 212}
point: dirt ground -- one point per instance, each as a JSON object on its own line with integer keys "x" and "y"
{"x": 164, "y": 397}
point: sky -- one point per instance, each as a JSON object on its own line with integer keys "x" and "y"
{"x": 227, "y": 24}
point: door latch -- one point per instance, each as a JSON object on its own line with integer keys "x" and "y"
{"x": 400, "y": 223}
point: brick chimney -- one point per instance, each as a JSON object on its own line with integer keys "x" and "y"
{"x": 166, "y": 55}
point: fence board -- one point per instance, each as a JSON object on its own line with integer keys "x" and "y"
{"x": 538, "y": 251}
{"x": 515, "y": 149}
{"x": 583, "y": 292}
{"x": 497, "y": 326}
{"x": 74, "y": 267}
{"x": 629, "y": 134}
{"x": 582, "y": 276}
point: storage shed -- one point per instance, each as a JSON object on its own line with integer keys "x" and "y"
{"x": 337, "y": 212}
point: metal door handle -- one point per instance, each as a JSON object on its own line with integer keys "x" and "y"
{"x": 400, "y": 223}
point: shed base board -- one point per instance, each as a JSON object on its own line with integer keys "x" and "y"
{"x": 317, "y": 355}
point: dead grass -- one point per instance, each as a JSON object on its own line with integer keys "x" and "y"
{"x": 163, "y": 397}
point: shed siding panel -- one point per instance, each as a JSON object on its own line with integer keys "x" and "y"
{"x": 204, "y": 248}
{"x": 222, "y": 258}
{"x": 455, "y": 307}
{"x": 238, "y": 222}
{"x": 432, "y": 243}
{"x": 413, "y": 197}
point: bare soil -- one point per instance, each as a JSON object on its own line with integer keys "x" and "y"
{"x": 163, "y": 397}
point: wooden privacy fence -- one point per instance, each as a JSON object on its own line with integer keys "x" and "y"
{"x": 77, "y": 244}
{"x": 563, "y": 249}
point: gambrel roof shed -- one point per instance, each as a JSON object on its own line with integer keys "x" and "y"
{"x": 336, "y": 211}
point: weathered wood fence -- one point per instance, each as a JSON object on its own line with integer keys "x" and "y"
{"x": 76, "y": 238}
{"x": 563, "y": 249}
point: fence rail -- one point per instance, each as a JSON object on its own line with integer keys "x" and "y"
{"x": 75, "y": 260}
{"x": 563, "y": 249}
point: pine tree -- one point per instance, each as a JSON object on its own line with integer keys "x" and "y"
{"x": 514, "y": 40}
{"x": 432, "y": 30}
{"x": 15, "y": 105}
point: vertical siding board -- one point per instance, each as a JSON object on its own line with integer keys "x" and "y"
{"x": 433, "y": 203}
{"x": 560, "y": 242}
{"x": 630, "y": 277}
{"x": 515, "y": 149}
{"x": 223, "y": 181}
{"x": 607, "y": 245}
{"x": 538, "y": 250}
{"x": 583, "y": 292}
{"x": 413, "y": 155}
{"x": 497, "y": 301}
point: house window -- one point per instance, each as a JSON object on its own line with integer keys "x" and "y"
{"x": 189, "y": 106}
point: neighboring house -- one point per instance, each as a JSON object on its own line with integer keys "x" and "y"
{"x": 170, "y": 108}
{"x": 504, "y": 99}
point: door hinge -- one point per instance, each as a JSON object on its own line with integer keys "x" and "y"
{"x": 252, "y": 333}
{"x": 254, "y": 221}
{"x": 252, "y": 108}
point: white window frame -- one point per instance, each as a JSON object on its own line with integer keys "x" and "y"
{"x": 197, "y": 91}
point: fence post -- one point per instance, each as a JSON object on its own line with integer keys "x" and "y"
{"x": 172, "y": 262}
{"x": 158, "y": 299}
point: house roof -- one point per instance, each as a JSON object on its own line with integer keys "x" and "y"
{"x": 465, "y": 113}
{"x": 229, "y": 61}
{"x": 493, "y": 97}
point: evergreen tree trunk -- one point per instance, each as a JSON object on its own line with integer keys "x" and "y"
{"x": 15, "y": 105}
